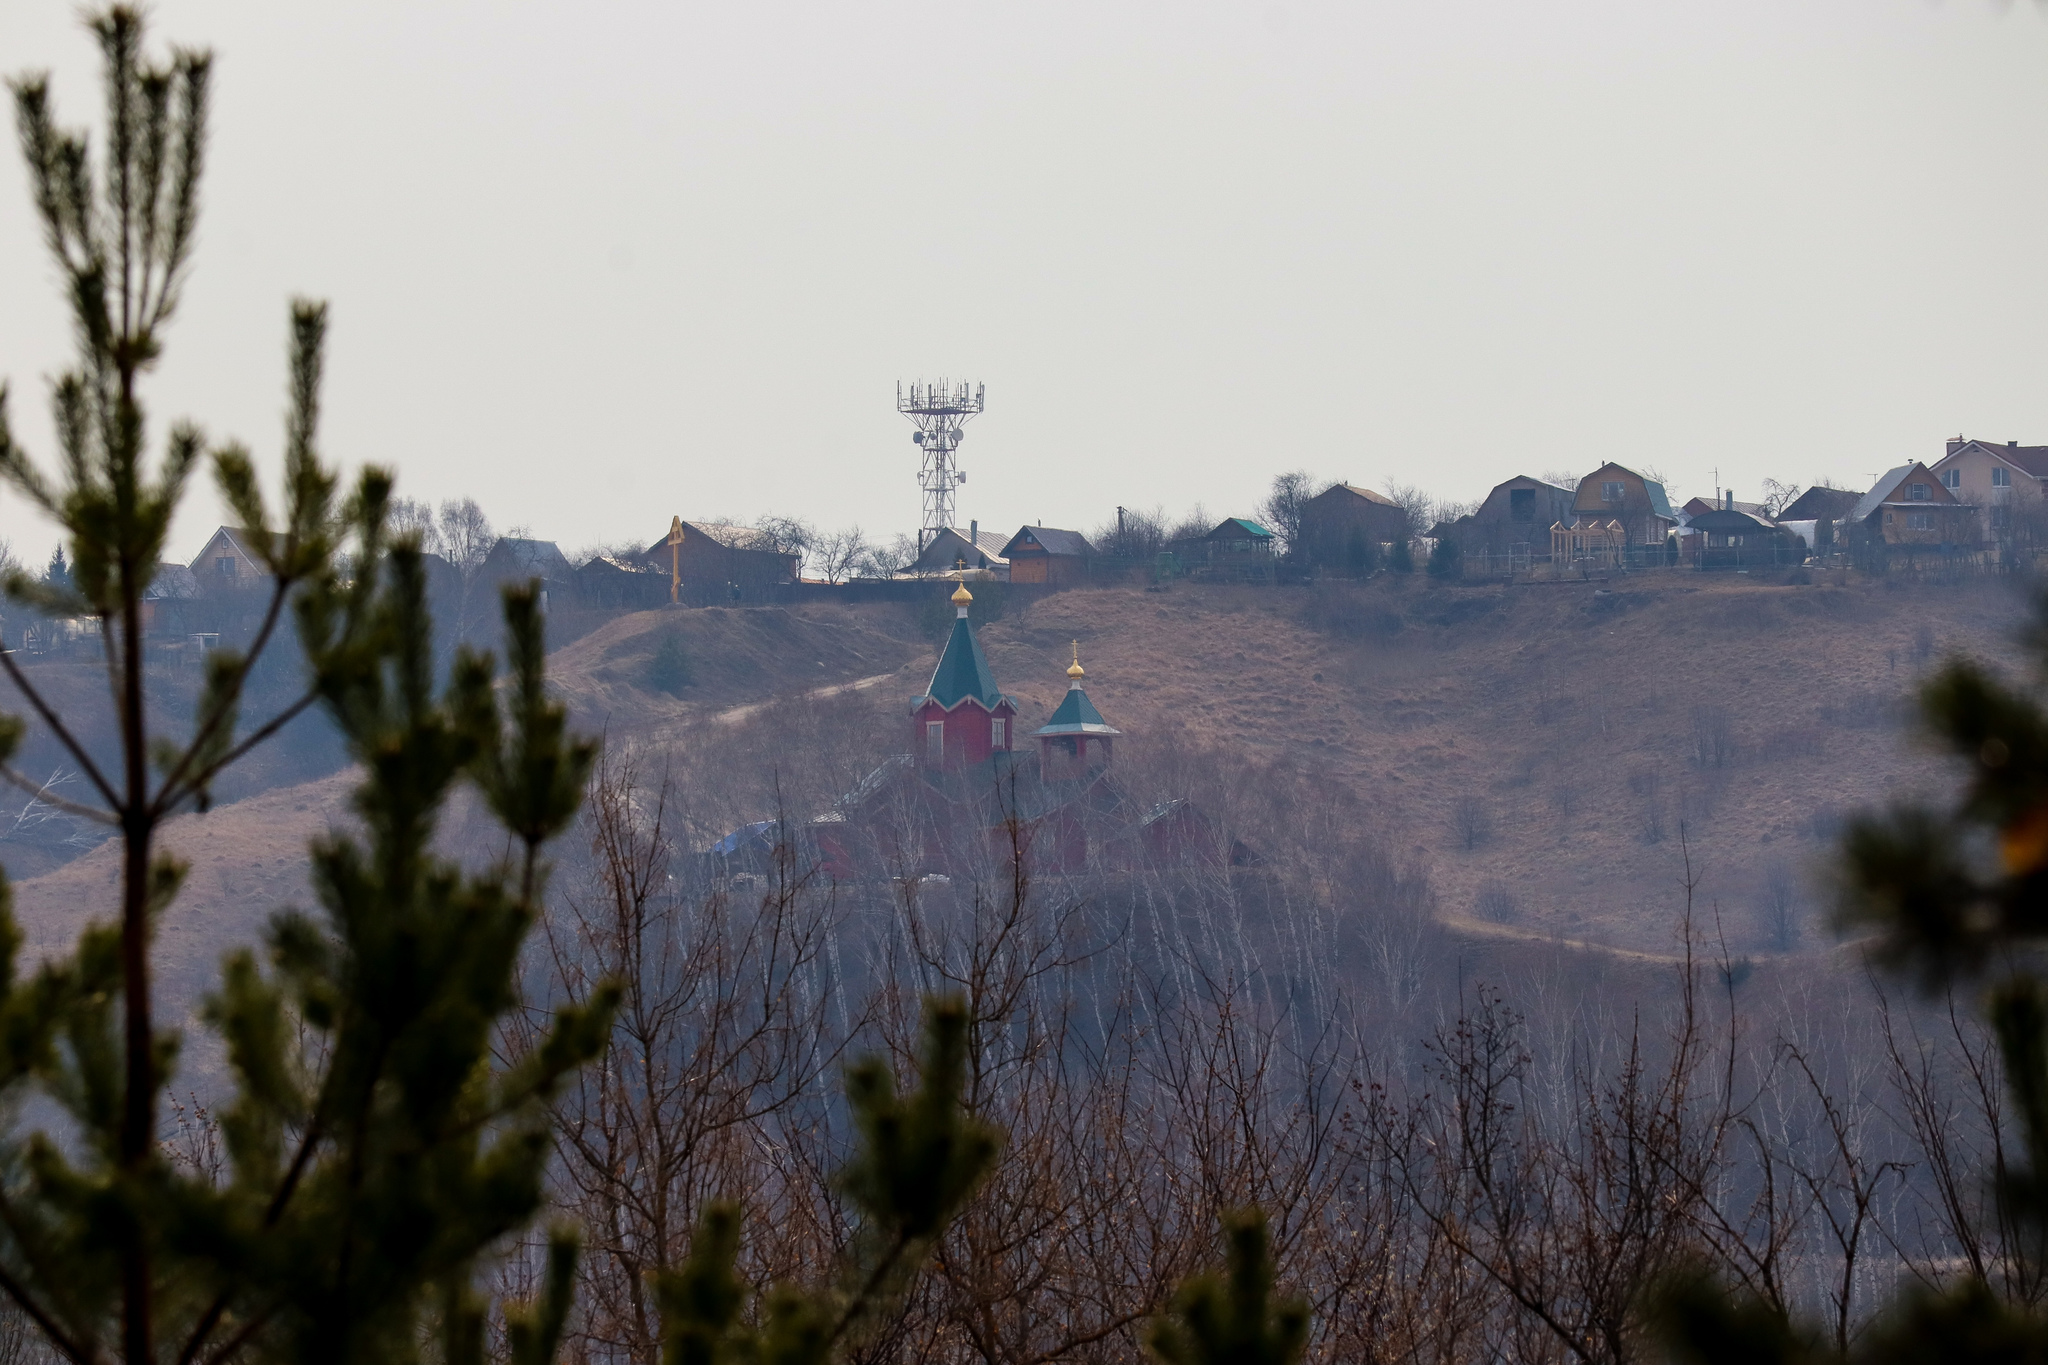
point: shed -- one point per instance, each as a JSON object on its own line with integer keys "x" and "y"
{"x": 1338, "y": 524}
{"x": 1509, "y": 527}
{"x": 1045, "y": 554}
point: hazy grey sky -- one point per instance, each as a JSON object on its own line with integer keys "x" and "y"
{"x": 599, "y": 264}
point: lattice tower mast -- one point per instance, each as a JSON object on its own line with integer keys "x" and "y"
{"x": 938, "y": 411}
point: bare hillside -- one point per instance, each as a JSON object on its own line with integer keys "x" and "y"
{"x": 1537, "y": 750}
{"x": 1540, "y": 747}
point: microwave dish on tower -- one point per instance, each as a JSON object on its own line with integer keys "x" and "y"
{"x": 938, "y": 411}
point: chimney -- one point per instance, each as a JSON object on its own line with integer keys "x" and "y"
{"x": 1729, "y": 504}
{"x": 2012, "y": 445}
{"x": 1956, "y": 443}
{"x": 974, "y": 534}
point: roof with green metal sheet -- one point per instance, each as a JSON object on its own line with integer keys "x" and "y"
{"x": 1077, "y": 716}
{"x": 963, "y": 672}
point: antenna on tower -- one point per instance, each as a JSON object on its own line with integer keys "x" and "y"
{"x": 938, "y": 411}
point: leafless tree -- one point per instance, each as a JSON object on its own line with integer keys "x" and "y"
{"x": 412, "y": 517}
{"x": 838, "y": 555}
{"x": 1713, "y": 736}
{"x": 720, "y": 1046}
{"x": 466, "y": 536}
{"x": 1281, "y": 511}
{"x": 1778, "y": 496}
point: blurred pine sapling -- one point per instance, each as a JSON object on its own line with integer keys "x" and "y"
{"x": 374, "y": 1150}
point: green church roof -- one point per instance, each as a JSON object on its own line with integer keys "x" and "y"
{"x": 1077, "y": 716}
{"x": 963, "y": 672}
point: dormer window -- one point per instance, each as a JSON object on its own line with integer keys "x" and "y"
{"x": 1916, "y": 492}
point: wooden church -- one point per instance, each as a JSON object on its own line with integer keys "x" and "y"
{"x": 972, "y": 794}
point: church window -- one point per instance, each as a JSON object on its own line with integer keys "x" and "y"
{"x": 935, "y": 741}
{"x": 995, "y": 733}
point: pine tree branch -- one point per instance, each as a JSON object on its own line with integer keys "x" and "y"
{"x": 51, "y": 1329}
{"x": 240, "y": 1339}
{"x": 248, "y": 742}
{"x": 57, "y": 727}
{"x": 169, "y": 794}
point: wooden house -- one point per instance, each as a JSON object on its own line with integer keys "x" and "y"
{"x": 1338, "y": 523}
{"x": 955, "y": 550}
{"x": 1614, "y": 495}
{"x": 613, "y": 583}
{"x": 515, "y": 560}
{"x": 1820, "y": 504}
{"x": 1045, "y": 554}
{"x": 226, "y": 564}
{"x": 1728, "y": 537}
{"x": 1694, "y": 507}
{"x": 1510, "y": 525}
{"x": 1910, "y": 506}
{"x": 1237, "y": 547}
{"x": 723, "y": 563}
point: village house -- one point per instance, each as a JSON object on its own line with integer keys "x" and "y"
{"x": 1695, "y": 506}
{"x": 953, "y": 550}
{"x": 1045, "y": 554}
{"x": 226, "y": 564}
{"x": 1614, "y": 495}
{"x": 722, "y": 563}
{"x": 1910, "y": 507}
{"x": 1738, "y": 536}
{"x": 1820, "y": 503}
{"x": 1343, "y": 527}
{"x": 516, "y": 561}
{"x": 167, "y": 601}
{"x": 2004, "y": 479}
{"x": 1504, "y": 530}
{"x": 615, "y": 583}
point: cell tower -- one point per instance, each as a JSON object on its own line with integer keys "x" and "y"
{"x": 938, "y": 411}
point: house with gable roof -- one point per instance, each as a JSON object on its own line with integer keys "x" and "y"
{"x": 720, "y": 562}
{"x": 1511, "y": 524}
{"x": 1338, "y": 524}
{"x": 227, "y": 563}
{"x": 1046, "y": 554}
{"x": 2003, "y": 479}
{"x": 1910, "y": 506}
{"x": 955, "y": 550}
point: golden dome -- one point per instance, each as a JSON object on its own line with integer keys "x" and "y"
{"x": 1074, "y": 670}
{"x": 961, "y": 597}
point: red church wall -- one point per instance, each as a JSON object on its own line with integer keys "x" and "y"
{"x": 969, "y": 732}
